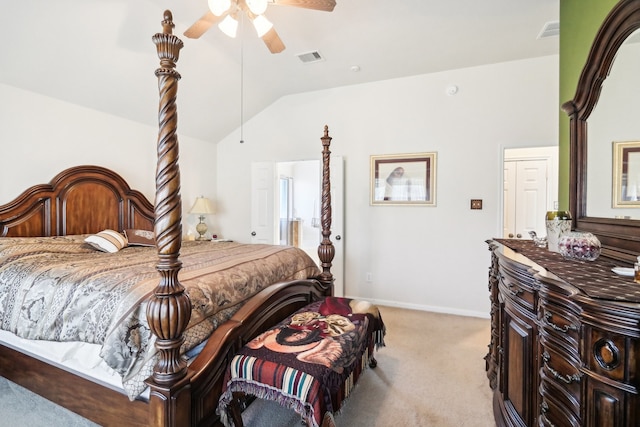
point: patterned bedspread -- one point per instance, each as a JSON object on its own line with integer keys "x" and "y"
{"x": 60, "y": 289}
{"x": 310, "y": 361}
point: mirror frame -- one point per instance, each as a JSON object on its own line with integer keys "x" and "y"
{"x": 620, "y": 238}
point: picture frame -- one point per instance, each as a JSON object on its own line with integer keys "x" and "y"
{"x": 403, "y": 179}
{"x": 626, "y": 174}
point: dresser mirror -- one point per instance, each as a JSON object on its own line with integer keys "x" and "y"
{"x": 605, "y": 101}
{"x": 614, "y": 139}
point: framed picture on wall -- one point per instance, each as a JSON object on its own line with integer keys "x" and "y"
{"x": 626, "y": 174}
{"x": 403, "y": 179}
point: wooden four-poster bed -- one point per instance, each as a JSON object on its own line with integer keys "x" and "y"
{"x": 85, "y": 200}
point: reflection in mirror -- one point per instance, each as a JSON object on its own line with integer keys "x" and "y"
{"x": 626, "y": 174}
{"x": 590, "y": 166}
{"x": 614, "y": 119}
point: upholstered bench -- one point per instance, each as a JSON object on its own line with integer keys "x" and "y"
{"x": 309, "y": 362}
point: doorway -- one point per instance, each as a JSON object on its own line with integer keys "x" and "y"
{"x": 298, "y": 204}
{"x": 530, "y": 189}
{"x": 285, "y": 208}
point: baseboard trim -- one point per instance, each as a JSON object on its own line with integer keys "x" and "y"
{"x": 431, "y": 308}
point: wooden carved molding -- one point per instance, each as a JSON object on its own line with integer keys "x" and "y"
{"x": 326, "y": 250}
{"x": 169, "y": 309}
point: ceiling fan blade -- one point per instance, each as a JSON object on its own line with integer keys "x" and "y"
{"x": 325, "y": 5}
{"x": 201, "y": 25}
{"x": 273, "y": 42}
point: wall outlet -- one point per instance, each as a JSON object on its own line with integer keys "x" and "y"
{"x": 476, "y": 203}
{"x": 369, "y": 278}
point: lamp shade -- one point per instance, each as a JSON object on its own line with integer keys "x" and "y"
{"x": 229, "y": 26}
{"x": 202, "y": 206}
{"x": 218, "y": 7}
{"x": 262, "y": 25}
{"x": 257, "y": 7}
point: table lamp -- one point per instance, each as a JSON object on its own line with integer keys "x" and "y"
{"x": 202, "y": 207}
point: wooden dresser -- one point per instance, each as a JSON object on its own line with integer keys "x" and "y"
{"x": 565, "y": 340}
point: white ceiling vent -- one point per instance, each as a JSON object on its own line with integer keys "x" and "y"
{"x": 309, "y": 57}
{"x": 550, "y": 29}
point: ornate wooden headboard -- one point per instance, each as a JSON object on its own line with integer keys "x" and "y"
{"x": 79, "y": 200}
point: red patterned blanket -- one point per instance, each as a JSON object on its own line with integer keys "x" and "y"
{"x": 310, "y": 361}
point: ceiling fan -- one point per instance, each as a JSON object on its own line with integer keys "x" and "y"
{"x": 226, "y": 13}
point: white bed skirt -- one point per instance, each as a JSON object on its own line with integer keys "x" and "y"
{"x": 81, "y": 359}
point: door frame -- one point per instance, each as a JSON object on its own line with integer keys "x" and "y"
{"x": 337, "y": 208}
{"x": 544, "y": 152}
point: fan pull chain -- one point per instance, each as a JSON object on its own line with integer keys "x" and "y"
{"x": 242, "y": 80}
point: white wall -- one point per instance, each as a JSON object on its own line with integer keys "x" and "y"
{"x": 426, "y": 258}
{"x": 42, "y": 136}
{"x": 431, "y": 258}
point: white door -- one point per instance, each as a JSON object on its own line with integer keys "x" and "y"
{"x": 509, "y": 197}
{"x": 531, "y": 197}
{"x": 263, "y": 203}
{"x": 337, "y": 222}
{"x": 525, "y": 197}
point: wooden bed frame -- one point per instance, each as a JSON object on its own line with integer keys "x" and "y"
{"x": 88, "y": 199}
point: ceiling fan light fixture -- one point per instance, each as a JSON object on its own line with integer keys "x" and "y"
{"x": 229, "y": 26}
{"x": 262, "y": 25}
{"x": 218, "y": 7}
{"x": 257, "y": 7}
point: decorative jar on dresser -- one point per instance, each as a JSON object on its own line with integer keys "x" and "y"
{"x": 565, "y": 339}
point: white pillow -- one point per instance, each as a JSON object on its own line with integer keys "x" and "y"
{"x": 107, "y": 241}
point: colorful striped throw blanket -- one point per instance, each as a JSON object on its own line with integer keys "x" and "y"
{"x": 310, "y": 361}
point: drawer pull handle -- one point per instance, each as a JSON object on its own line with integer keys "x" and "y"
{"x": 607, "y": 354}
{"x": 515, "y": 292}
{"x": 567, "y": 379}
{"x": 510, "y": 286}
{"x": 544, "y": 408}
{"x": 563, "y": 329}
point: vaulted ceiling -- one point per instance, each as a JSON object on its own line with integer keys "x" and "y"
{"x": 99, "y": 54}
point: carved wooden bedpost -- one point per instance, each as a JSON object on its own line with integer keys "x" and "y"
{"x": 169, "y": 309}
{"x": 326, "y": 250}
{"x": 493, "y": 355}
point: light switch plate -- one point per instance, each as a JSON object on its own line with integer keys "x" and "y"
{"x": 476, "y": 203}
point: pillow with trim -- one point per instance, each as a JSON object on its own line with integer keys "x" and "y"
{"x": 140, "y": 237}
{"x": 107, "y": 241}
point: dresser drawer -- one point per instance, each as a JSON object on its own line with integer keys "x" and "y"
{"x": 612, "y": 356}
{"x": 560, "y": 322}
{"x": 561, "y": 369}
{"x": 521, "y": 292}
{"x": 554, "y": 413}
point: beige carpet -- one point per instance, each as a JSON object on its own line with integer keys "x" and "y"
{"x": 431, "y": 373}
